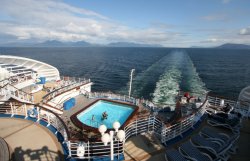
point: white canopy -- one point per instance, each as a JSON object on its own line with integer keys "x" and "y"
{"x": 244, "y": 98}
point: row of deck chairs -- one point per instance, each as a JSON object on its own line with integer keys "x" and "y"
{"x": 208, "y": 145}
{"x": 231, "y": 121}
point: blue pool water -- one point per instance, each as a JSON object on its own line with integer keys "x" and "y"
{"x": 115, "y": 111}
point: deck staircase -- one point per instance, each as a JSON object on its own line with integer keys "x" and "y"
{"x": 9, "y": 91}
{"x": 11, "y": 106}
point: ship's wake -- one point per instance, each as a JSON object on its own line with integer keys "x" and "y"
{"x": 163, "y": 80}
{"x": 180, "y": 75}
{"x": 168, "y": 85}
{"x": 144, "y": 82}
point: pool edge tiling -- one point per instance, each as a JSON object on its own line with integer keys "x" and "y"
{"x": 81, "y": 125}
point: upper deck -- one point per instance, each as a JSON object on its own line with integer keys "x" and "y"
{"x": 151, "y": 132}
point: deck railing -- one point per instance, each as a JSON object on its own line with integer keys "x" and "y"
{"x": 139, "y": 126}
{"x": 67, "y": 84}
{"x": 124, "y": 98}
{"x": 11, "y": 91}
{"x": 112, "y": 96}
{"x": 36, "y": 113}
{"x": 13, "y": 80}
{"x": 218, "y": 102}
{"x": 95, "y": 149}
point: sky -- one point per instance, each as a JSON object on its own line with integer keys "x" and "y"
{"x": 178, "y": 23}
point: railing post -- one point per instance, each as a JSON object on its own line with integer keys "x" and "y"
{"x": 69, "y": 147}
{"x": 149, "y": 121}
{"x": 136, "y": 127}
{"x": 163, "y": 133}
{"x": 154, "y": 123}
{"x": 38, "y": 113}
{"x": 12, "y": 110}
{"x": 25, "y": 110}
{"x": 111, "y": 145}
{"x": 48, "y": 119}
{"x": 88, "y": 150}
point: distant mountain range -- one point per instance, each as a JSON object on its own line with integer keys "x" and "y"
{"x": 131, "y": 44}
{"x": 55, "y": 43}
{"x": 233, "y": 46}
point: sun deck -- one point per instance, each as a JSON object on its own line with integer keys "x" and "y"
{"x": 28, "y": 140}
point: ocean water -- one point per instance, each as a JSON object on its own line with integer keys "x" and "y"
{"x": 160, "y": 72}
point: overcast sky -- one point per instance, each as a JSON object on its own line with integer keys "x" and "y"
{"x": 171, "y": 23}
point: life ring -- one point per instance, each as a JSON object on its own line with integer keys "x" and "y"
{"x": 32, "y": 113}
{"x": 80, "y": 151}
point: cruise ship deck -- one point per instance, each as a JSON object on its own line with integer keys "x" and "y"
{"x": 39, "y": 119}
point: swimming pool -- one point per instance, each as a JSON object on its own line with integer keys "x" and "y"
{"x": 116, "y": 111}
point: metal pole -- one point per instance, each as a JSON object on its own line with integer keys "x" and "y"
{"x": 38, "y": 113}
{"x": 111, "y": 145}
{"x": 130, "y": 84}
{"x": 25, "y": 110}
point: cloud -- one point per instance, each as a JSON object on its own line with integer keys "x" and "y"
{"x": 56, "y": 20}
{"x": 210, "y": 40}
{"x": 37, "y": 21}
{"x": 245, "y": 31}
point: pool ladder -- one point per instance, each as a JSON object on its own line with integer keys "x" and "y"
{"x": 93, "y": 122}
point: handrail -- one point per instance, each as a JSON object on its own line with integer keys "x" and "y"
{"x": 12, "y": 91}
{"x": 140, "y": 125}
{"x": 64, "y": 89}
{"x": 47, "y": 110}
{"x": 9, "y": 82}
{"x": 113, "y": 97}
{"x": 221, "y": 97}
{"x": 73, "y": 82}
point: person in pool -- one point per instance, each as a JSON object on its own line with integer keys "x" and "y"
{"x": 104, "y": 115}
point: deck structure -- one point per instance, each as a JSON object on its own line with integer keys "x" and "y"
{"x": 150, "y": 135}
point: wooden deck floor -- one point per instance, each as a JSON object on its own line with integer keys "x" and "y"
{"x": 146, "y": 147}
{"x": 29, "y": 141}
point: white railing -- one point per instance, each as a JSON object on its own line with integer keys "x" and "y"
{"x": 41, "y": 114}
{"x": 112, "y": 96}
{"x": 124, "y": 98}
{"x": 67, "y": 84}
{"x": 11, "y": 91}
{"x": 139, "y": 126}
{"x": 217, "y": 101}
{"x": 95, "y": 149}
{"x": 13, "y": 80}
{"x": 215, "y": 104}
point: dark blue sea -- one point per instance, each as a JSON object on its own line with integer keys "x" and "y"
{"x": 159, "y": 72}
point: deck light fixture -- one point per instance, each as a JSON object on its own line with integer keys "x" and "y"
{"x": 102, "y": 129}
{"x": 106, "y": 138}
{"x": 116, "y": 126}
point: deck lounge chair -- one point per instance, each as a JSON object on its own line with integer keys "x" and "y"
{"x": 211, "y": 133}
{"x": 222, "y": 138}
{"x": 174, "y": 155}
{"x": 233, "y": 124}
{"x": 220, "y": 151}
{"x": 191, "y": 152}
